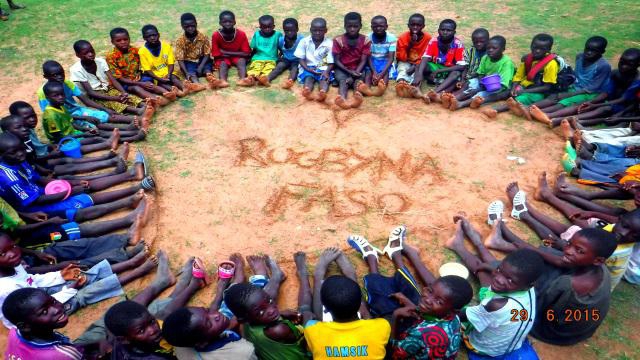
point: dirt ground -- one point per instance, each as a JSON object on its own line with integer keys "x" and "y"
{"x": 264, "y": 171}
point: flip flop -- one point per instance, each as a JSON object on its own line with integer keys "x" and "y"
{"x": 148, "y": 183}
{"x": 519, "y": 201}
{"x": 495, "y": 208}
{"x": 568, "y": 164}
{"x": 359, "y": 243}
{"x": 569, "y": 150}
{"x": 226, "y": 273}
{"x": 199, "y": 271}
{"x": 397, "y": 234}
{"x": 140, "y": 158}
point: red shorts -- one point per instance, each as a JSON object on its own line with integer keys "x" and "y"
{"x": 230, "y": 61}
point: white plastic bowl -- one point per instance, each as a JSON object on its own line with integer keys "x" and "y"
{"x": 454, "y": 268}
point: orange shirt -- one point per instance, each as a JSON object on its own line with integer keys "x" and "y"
{"x": 414, "y": 55}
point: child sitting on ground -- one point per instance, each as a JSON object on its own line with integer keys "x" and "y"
{"x": 94, "y": 77}
{"x": 411, "y": 46}
{"x": 264, "y": 45}
{"x": 287, "y": 46}
{"x": 469, "y": 77}
{"x": 505, "y": 290}
{"x": 230, "y": 47}
{"x": 495, "y": 62}
{"x": 443, "y": 59}
{"x": 69, "y": 284}
{"x": 380, "y": 66}
{"x": 346, "y": 335}
{"x": 157, "y": 64}
{"x": 192, "y": 51}
{"x": 274, "y": 334}
{"x": 57, "y": 121}
{"x": 592, "y": 76}
{"x": 350, "y": 53}
{"x": 316, "y": 60}
{"x": 124, "y": 63}
{"x": 535, "y": 78}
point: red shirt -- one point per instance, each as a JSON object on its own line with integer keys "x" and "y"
{"x": 453, "y": 56}
{"x": 414, "y": 55}
{"x": 350, "y": 56}
{"x": 239, "y": 43}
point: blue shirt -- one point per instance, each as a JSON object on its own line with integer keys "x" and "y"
{"x": 593, "y": 78}
{"x": 287, "y": 54}
{"x": 41, "y": 148}
{"x": 70, "y": 90}
{"x": 18, "y": 184}
{"x": 379, "y": 50}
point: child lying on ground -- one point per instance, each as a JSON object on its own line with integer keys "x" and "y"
{"x": 411, "y": 46}
{"x": 316, "y": 60}
{"x": 592, "y": 76}
{"x": 124, "y": 63}
{"x": 264, "y": 45}
{"x": 69, "y": 284}
{"x": 534, "y": 80}
{"x": 351, "y": 51}
{"x": 230, "y": 47}
{"x": 192, "y": 50}
{"x": 287, "y": 46}
{"x": 274, "y": 334}
{"x": 380, "y": 66}
{"x": 505, "y": 288}
{"x": 346, "y": 335}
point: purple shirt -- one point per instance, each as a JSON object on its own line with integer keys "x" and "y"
{"x": 58, "y": 349}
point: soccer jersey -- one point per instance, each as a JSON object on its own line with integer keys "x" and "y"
{"x": 125, "y": 66}
{"x": 453, "y": 56}
{"x": 350, "y": 56}
{"x": 414, "y": 54}
{"x": 503, "y": 67}
{"x": 549, "y": 73}
{"x": 18, "y": 184}
{"x": 363, "y": 339}
{"x": 158, "y": 65}
{"x": 188, "y": 50}
{"x": 266, "y": 48}
{"x": 99, "y": 81}
{"x": 58, "y": 123}
{"x": 380, "y": 50}
{"x": 288, "y": 53}
{"x": 60, "y": 348}
{"x": 70, "y": 90}
{"x": 319, "y": 56}
{"x": 239, "y": 43}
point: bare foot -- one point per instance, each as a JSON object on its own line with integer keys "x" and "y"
{"x": 415, "y": 92}
{"x": 257, "y": 264}
{"x": 132, "y": 251}
{"x": 489, "y": 112}
{"x": 409, "y": 250}
{"x": 114, "y": 139}
{"x": 512, "y": 190}
{"x": 357, "y": 99}
{"x": 306, "y": 92}
{"x": 539, "y": 115}
{"x": 514, "y": 106}
{"x": 564, "y": 187}
{"x": 149, "y": 265}
{"x": 136, "y": 198}
{"x": 434, "y": 97}
{"x": 328, "y": 255}
{"x": 495, "y": 240}
{"x": 577, "y": 140}
{"x": 445, "y": 99}
{"x": 364, "y": 89}
{"x": 248, "y": 81}
{"x": 322, "y": 96}
{"x": 543, "y": 191}
{"x": 381, "y": 88}
{"x": 287, "y": 84}
{"x": 527, "y": 113}
{"x": 567, "y": 131}
{"x": 135, "y": 232}
{"x": 264, "y": 80}
{"x": 456, "y": 241}
{"x": 341, "y": 102}
{"x": 124, "y": 151}
{"x": 468, "y": 229}
{"x": 121, "y": 165}
{"x": 402, "y": 90}
{"x": 185, "y": 274}
{"x": 277, "y": 274}
{"x": 211, "y": 79}
{"x": 476, "y": 102}
{"x": 164, "y": 278}
{"x": 454, "y": 104}
{"x": 300, "y": 258}
{"x": 170, "y": 95}
{"x": 575, "y": 124}
{"x": 238, "y": 261}
{"x": 138, "y": 259}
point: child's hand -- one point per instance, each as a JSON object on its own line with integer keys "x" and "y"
{"x": 81, "y": 280}
{"x": 355, "y": 73}
{"x": 583, "y": 215}
{"x": 406, "y": 312}
{"x": 92, "y": 131}
{"x": 146, "y": 85}
{"x": 402, "y": 299}
{"x": 123, "y": 97}
{"x": 38, "y": 216}
{"x": 71, "y": 272}
{"x": 375, "y": 77}
{"x": 292, "y": 315}
{"x": 325, "y": 75}
{"x": 414, "y": 38}
{"x": 584, "y": 107}
{"x": 58, "y": 220}
{"x": 44, "y": 257}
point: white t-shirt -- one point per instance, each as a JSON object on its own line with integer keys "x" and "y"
{"x": 21, "y": 279}
{"x": 632, "y": 274}
{"x": 99, "y": 81}
{"x": 320, "y": 56}
{"x": 494, "y": 333}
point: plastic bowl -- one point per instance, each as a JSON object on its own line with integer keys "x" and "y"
{"x": 454, "y": 268}
{"x": 58, "y": 186}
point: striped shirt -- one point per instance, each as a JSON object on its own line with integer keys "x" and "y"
{"x": 18, "y": 184}
{"x": 19, "y": 348}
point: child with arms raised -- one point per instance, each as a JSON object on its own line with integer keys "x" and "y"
{"x": 380, "y": 66}
{"x": 350, "y": 53}
{"x": 316, "y": 60}
{"x": 411, "y": 46}
{"x": 287, "y": 46}
{"x": 230, "y": 47}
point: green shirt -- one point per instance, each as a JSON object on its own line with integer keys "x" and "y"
{"x": 266, "y": 47}
{"x": 268, "y": 349}
{"x": 10, "y": 218}
{"x": 58, "y": 123}
{"x": 503, "y": 67}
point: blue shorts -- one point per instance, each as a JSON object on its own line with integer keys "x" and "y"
{"x": 379, "y": 287}
{"x": 192, "y": 67}
{"x": 303, "y": 74}
{"x": 379, "y": 65}
{"x": 72, "y": 203}
{"x": 103, "y": 116}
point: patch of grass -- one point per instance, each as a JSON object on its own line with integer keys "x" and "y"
{"x": 185, "y": 173}
{"x": 274, "y": 96}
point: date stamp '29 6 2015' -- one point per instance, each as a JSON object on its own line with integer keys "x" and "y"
{"x": 568, "y": 315}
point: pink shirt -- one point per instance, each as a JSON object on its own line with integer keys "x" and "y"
{"x": 60, "y": 349}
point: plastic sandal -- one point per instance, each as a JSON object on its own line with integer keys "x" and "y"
{"x": 148, "y": 183}
{"x": 494, "y": 212}
{"x": 141, "y": 159}
{"x": 199, "y": 271}
{"x": 397, "y": 234}
{"x": 224, "y": 273}
{"x": 568, "y": 164}
{"x": 359, "y": 243}
{"x": 519, "y": 204}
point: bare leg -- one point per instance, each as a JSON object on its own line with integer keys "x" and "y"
{"x": 329, "y": 255}
{"x": 241, "y": 65}
{"x": 474, "y": 263}
{"x": 277, "y": 278}
{"x": 111, "y": 196}
{"x": 163, "y": 279}
{"x": 412, "y": 254}
{"x": 448, "y": 82}
{"x": 181, "y": 299}
{"x": 94, "y": 212}
{"x": 475, "y": 238}
{"x": 98, "y": 228}
{"x": 304, "y": 293}
{"x": 540, "y": 229}
{"x": 544, "y": 193}
{"x": 136, "y": 173}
